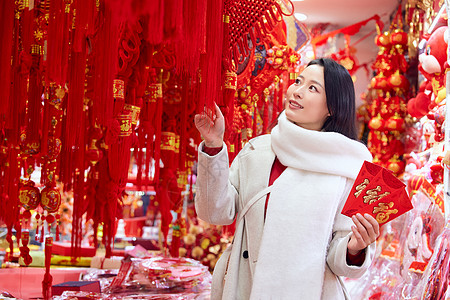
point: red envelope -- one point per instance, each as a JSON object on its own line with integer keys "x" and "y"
{"x": 378, "y": 192}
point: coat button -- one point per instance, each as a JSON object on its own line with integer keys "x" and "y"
{"x": 245, "y": 254}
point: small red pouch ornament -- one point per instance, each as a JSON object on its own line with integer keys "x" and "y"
{"x": 377, "y": 192}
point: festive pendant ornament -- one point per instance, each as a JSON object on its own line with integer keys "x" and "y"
{"x": 399, "y": 39}
{"x": 134, "y": 111}
{"x": 50, "y": 199}
{"x": 383, "y": 40}
{"x": 125, "y": 123}
{"x": 24, "y": 250}
{"x": 398, "y": 81}
{"x": 29, "y": 196}
{"x": 395, "y": 123}
{"x": 395, "y": 165}
{"x": 377, "y": 123}
{"x": 380, "y": 82}
{"x": 27, "y": 147}
{"x": 54, "y": 148}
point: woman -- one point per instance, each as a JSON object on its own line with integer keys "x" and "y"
{"x": 292, "y": 242}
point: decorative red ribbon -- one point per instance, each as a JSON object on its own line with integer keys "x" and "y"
{"x": 349, "y": 30}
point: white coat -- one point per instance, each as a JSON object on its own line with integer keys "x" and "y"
{"x": 222, "y": 192}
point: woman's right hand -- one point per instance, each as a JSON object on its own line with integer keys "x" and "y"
{"x": 211, "y": 129}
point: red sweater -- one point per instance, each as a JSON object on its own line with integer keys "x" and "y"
{"x": 277, "y": 169}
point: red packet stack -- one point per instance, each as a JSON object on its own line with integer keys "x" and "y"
{"x": 378, "y": 192}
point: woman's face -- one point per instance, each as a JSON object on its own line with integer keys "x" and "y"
{"x": 306, "y": 101}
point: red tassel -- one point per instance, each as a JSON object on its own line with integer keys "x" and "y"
{"x": 79, "y": 207}
{"x": 157, "y": 147}
{"x": 184, "y": 125}
{"x": 173, "y": 19}
{"x": 6, "y": 36}
{"x": 155, "y": 28}
{"x": 48, "y": 279}
{"x": 104, "y": 64}
{"x": 75, "y": 103}
{"x": 164, "y": 207}
{"x": 10, "y": 242}
{"x": 211, "y": 62}
{"x": 41, "y": 239}
{"x": 265, "y": 115}
{"x": 36, "y": 235}
{"x": 175, "y": 243}
{"x": 35, "y": 90}
{"x": 188, "y": 50}
{"x": 10, "y": 189}
{"x": 58, "y": 42}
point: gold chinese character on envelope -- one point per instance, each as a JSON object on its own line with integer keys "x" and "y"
{"x": 378, "y": 192}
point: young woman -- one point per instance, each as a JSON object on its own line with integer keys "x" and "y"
{"x": 289, "y": 187}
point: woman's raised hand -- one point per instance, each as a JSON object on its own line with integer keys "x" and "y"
{"x": 211, "y": 129}
{"x": 365, "y": 232}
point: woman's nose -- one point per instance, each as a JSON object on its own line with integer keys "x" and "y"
{"x": 298, "y": 92}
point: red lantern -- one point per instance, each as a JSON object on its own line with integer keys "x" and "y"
{"x": 396, "y": 165}
{"x": 383, "y": 40}
{"x": 398, "y": 38}
{"x": 395, "y": 123}
{"x": 414, "y": 183}
{"x": 398, "y": 81}
{"x": 380, "y": 82}
{"x": 376, "y": 123}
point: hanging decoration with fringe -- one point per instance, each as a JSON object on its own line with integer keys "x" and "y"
{"x": 247, "y": 24}
{"x": 85, "y": 82}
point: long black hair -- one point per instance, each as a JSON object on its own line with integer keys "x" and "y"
{"x": 340, "y": 93}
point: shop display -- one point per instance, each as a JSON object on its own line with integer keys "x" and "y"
{"x": 98, "y": 149}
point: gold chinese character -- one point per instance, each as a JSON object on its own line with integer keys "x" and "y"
{"x": 383, "y": 211}
{"x": 372, "y": 195}
{"x": 360, "y": 187}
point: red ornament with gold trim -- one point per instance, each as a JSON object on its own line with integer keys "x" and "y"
{"x": 29, "y": 195}
{"x": 414, "y": 183}
{"x": 380, "y": 82}
{"x": 396, "y": 165}
{"x": 398, "y": 37}
{"x": 383, "y": 40}
{"x": 395, "y": 123}
{"x": 398, "y": 81}
{"x": 125, "y": 124}
{"x": 377, "y": 123}
{"x": 54, "y": 148}
{"x": 50, "y": 199}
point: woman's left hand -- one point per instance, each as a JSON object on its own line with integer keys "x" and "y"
{"x": 365, "y": 231}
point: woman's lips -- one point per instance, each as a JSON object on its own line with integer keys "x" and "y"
{"x": 295, "y": 104}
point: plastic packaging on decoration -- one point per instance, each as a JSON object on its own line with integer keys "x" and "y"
{"x": 160, "y": 274}
{"x": 434, "y": 282}
{"x": 152, "y": 278}
{"x": 96, "y": 296}
{"x": 104, "y": 276}
{"x": 405, "y": 249}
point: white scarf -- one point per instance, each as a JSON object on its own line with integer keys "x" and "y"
{"x": 302, "y": 207}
